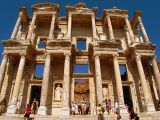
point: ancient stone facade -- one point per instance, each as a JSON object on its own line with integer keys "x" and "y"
{"x": 111, "y": 41}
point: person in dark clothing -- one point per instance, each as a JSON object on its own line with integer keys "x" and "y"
{"x": 27, "y": 112}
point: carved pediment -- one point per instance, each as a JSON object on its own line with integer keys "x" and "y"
{"x": 81, "y": 8}
{"x": 116, "y": 11}
{"x": 45, "y": 7}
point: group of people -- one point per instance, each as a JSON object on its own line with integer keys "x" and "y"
{"x": 81, "y": 108}
{"x": 114, "y": 107}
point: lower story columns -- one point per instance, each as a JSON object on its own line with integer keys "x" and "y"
{"x": 66, "y": 87}
{"x": 119, "y": 85}
{"x": 148, "y": 103}
{"x": 45, "y": 84}
{"x": 13, "y": 105}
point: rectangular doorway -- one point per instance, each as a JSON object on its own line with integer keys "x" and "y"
{"x": 81, "y": 90}
{"x": 35, "y": 93}
{"x": 127, "y": 96}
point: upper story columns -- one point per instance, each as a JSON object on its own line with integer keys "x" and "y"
{"x": 129, "y": 29}
{"x": 69, "y": 31}
{"x": 143, "y": 30}
{"x": 15, "y": 30}
{"x": 51, "y": 36}
{"x": 110, "y": 29}
{"x": 93, "y": 26}
{"x": 31, "y": 27}
{"x": 3, "y": 68}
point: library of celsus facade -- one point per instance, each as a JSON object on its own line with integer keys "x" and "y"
{"x": 84, "y": 59}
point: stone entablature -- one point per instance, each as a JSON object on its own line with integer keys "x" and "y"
{"x": 110, "y": 42}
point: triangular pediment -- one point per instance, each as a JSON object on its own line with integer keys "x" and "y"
{"x": 45, "y": 7}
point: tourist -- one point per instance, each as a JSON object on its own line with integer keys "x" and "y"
{"x": 136, "y": 116}
{"x": 18, "y": 107}
{"x": 73, "y": 109}
{"x": 100, "y": 112}
{"x": 27, "y": 112}
{"x": 87, "y": 110}
{"x": 107, "y": 105}
{"x": 76, "y": 108}
{"x": 34, "y": 106}
{"x": 83, "y": 108}
{"x": 79, "y": 109}
{"x": 131, "y": 114}
{"x": 110, "y": 105}
{"x": 116, "y": 107}
{"x": 118, "y": 116}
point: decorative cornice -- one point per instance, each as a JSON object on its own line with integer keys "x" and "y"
{"x": 45, "y": 7}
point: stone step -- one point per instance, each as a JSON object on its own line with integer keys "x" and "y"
{"x": 144, "y": 116}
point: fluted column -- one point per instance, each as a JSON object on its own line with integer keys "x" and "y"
{"x": 111, "y": 35}
{"x": 66, "y": 86}
{"x": 15, "y": 30}
{"x": 69, "y": 25}
{"x": 156, "y": 73}
{"x": 31, "y": 27}
{"x": 98, "y": 80}
{"x": 2, "y": 69}
{"x": 45, "y": 84}
{"x": 129, "y": 29}
{"x": 12, "y": 107}
{"x": 93, "y": 26}
{"x": 118, "y": 81}
{"x": 143, "y": 30}
{"x": 52, "y": 27}
{"x": 147, "y": 98}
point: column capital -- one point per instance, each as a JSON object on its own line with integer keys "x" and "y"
{"x": 67, "y": 53}
{"x": 115, "y": 56}
{"x": 4, "y": 54}
{"x": 21, "y": 14}
{"x": 69, "y": 14}
{"x": 138, "y": 57}
{"x": 96, "y": 55}
{"x": 23, "y": 54}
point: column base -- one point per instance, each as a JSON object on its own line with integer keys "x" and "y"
{"x": 150, "y": 107}
{"x": 42, "y": 110}
{"x": 65, "y": 111}
{"x": 123, "y": 109}
{"x": 11, "y": 109}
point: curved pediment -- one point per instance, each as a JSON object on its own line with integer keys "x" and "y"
{"x": 80, "y": 7}
{"x": 45, "y": 7}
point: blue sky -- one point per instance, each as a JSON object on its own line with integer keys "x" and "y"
{"x": 150, "y": 8}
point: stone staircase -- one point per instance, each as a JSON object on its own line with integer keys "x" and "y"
{"x": 143, "y": 116}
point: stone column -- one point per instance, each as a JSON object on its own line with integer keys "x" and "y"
{"x": 111, "y": 35}
{"x": 14, "y": 33}
{"x": 69, "y": 25}
{"x": 156, "y": 73}
{"x": 45, "y": 84}
{"x": 93, "y": 26}
{"x": 98, "y": 80}
{"x": 66, "y": 86}
{"x": 128, "y": 37}
{"x": 147, "y": 98}
{"x": 31, "y": 27}
{"x": 118, "y": 83}
{"x": 52, "y": 27}
{"x": 13, "y": 107}
{"x": 129, "y": 29}
{"x": 143, "y": 30}
{"x": 2, "y": 69}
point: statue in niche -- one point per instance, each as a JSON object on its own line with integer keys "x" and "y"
{"x": 58, "y": 93}
{"x": 105, "y": 93}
